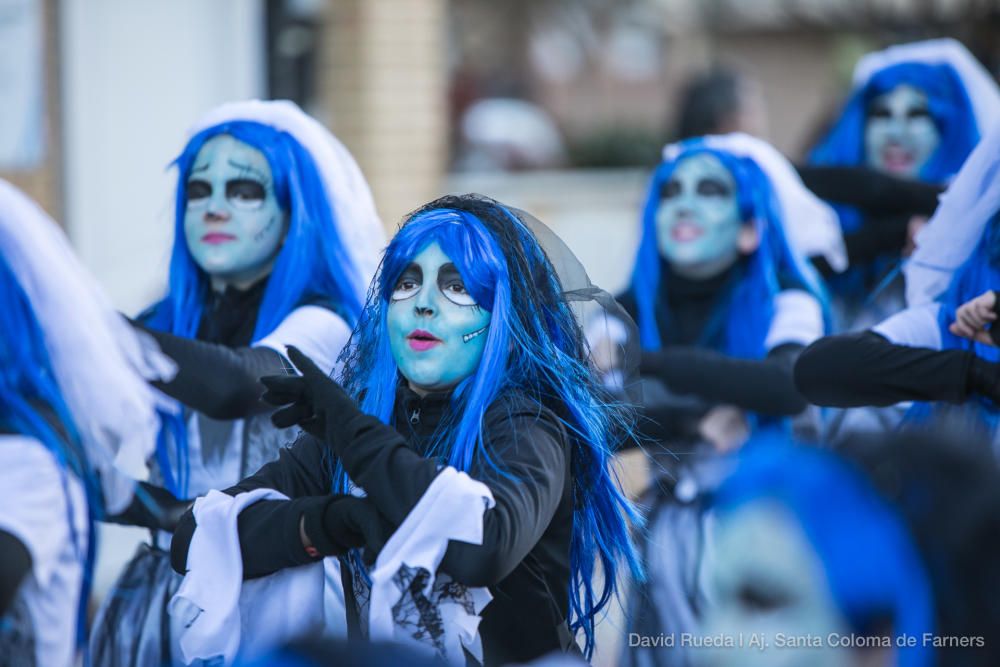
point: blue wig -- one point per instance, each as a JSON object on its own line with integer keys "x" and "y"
{"x": 30, "y": 402}
{"x": 843, "y": 515}
{"x": 535, "y": 348}
{"x": 751, "y": 305}
{"x": 312, "y": 263}
{"x": 949, "y": 106}
{"x": 980, "y": 273}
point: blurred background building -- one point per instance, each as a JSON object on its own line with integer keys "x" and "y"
{"x": 556, "y": 106}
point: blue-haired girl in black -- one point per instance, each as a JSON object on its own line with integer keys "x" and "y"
{"x": 724, "y": 301}
{"x": 914, "y": 114}
{"x": 469, "y": 358}
{"x": 938, "y": 358}
{"x": 275, "y": 242}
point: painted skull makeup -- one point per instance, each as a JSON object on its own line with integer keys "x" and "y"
{"x": 233, "y": 224}
{"x": 900, "y": 134}
{"x": 770, "y": 584}
{"x": 698, "y": 221}
{"x": 436, "y": 328}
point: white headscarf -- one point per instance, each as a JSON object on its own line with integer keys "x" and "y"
{"x": 100, "y": 364}
{"x": 358, "y": 224}
{"x": 979, "y": 85}
{"x": 810, "y": 224}
{"x": 958, "y": 223}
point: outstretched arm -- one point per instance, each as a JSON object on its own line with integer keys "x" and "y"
{"x": 865, "y": 369}
{"x": 764, "y": 386}
{"x": 219, "y": 381}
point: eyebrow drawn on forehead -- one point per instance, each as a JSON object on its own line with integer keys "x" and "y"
{"x": 412, "y": 270}
{"x": 246, "y": 168}
{"x": 449, "y": 270}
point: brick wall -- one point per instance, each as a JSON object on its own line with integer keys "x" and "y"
{"x": 382, "y": 90}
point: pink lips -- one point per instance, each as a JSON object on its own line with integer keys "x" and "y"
{"x": 421, "y": 341}
{"x": 896, "y": 158}
{"x": 215, "y": 238}
{"x": 685, "y": 232}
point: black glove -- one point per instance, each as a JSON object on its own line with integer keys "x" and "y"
{"x": 312, "y": 400}
{"x": 344, "y": 523}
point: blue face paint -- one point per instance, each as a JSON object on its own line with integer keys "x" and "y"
{"x": 233, "y": 224}
{"x": 900, "y": 134}
{"x": 436, "y": 329}
{"x": 698, "y": 221}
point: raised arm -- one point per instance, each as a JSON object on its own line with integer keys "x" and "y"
{"x": 528, "y": 446}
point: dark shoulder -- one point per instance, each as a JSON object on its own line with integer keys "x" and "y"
{"x": 514, "y": 412}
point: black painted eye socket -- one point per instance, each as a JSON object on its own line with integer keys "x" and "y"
{"x": 453, "y": 287}
{"x": 761, "y": 600}
{"x": 455, "y": 292}
{"x": 408, "y": 283}
{"x": 198, "y": 190}
{"x": 880, "y": 112}
{"x": 713, "y": 187}
{"x": 245, "y": 193}
{"x": 671, "y": 189}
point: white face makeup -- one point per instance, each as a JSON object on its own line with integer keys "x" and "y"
{"x": 698, "y": 221}
{"x": 900, "y": 134}
{"x": 437, "y": 331}
{"x": 233, "y": 224}
{"x": 770, "y": 582}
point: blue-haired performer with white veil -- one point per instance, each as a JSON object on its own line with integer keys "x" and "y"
{"x": 915, "y": 113}
{"x": 74, "y": 404}
{"x": 468, "y": 358}
{"x": 276, "y": 240}
{"x": 724, "y": 301}
{"x": 941, "y": 352}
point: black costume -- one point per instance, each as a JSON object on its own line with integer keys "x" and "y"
{"x": 886, "y": 202}
{"x": 524, "y": 559}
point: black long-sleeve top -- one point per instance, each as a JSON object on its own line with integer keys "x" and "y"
{"x": 217, "y": 370}
{"x": 690, "y": 368}
{"x": 865, "y": 369}
{"x": 887, "y": 203}
{"x": 524, "y": 558}
{"x": 215, "y": 379}
{"x": 15, "y": 566}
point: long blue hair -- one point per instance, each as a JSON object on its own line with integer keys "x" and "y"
{"x": 534, "y": 347}
{"x": 751, "y": 305}
{"x": 312, "y": 263}
{"x": 979, "y": 273}
{"x": 842, "y": 515}
{"x": 949, "y": 106}
{"x": 31, "y": 403}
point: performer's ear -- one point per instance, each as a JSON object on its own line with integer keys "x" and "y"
{"x": 749, "y": 239}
